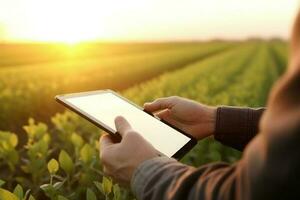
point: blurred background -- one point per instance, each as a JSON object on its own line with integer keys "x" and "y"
{"x": 218, "y": 52}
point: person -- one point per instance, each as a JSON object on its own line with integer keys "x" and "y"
{"x": 270, "y": 140}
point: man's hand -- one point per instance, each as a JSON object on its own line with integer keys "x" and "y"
{"x": 121, "y": 159}
{"x": 194, "y": 118}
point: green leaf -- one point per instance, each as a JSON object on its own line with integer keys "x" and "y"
{"x": 31, "y": 198}
{"x": 53, "y": 166}
{"x": 66, "y": 162}
{"x": 90, "y": 195}
{"x": 27, "y": 193}
{"x": 49, "y": 190}
{"x": 106, "y": 185}
{"x": 76, "y": 140}
{"x": 8, "y": 141}
{"x": 99, "y": 186}
{"x": 86, "y": 153}
{"x": 18, "y": 191}
{"x": 2, "y": 182}
{"x": 13, "y": 140}
{"x": 116, "y": 192}
{"x": 46, "y": 187}
{"x": 58, "y": 185}
{"x": 7, "y": 195}
{"x": 35, "y": 131}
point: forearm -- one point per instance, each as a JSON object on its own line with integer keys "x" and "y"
{"x": 152, "y": 178}
{"x": 236, "y": 126}
{"x": 269, "y": 169}
{"x": 165, "y": 179}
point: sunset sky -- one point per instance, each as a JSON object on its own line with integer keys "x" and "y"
{"x": 81, "y": 20}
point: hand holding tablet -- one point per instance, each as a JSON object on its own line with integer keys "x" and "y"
{"x": 121, "y": 159}
{"x": 102, "y": 107}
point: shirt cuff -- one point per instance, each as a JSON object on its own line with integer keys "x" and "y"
{"x": 236, "y": 126}
{"x": 144, "y": 171}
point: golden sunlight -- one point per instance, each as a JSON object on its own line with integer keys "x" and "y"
{"x": 65, "y": 21}
{"x": 73, "y": 21}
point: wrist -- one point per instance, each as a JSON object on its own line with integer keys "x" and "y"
{"x": 207, "y": 122}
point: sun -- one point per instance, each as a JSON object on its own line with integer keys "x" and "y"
{"x": 65, "y": 20}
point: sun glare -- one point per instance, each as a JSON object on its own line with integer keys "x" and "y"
{"x": 74, "y": 21}
{"x": 65, "y": 21}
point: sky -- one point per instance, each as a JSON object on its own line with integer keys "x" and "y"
{"x": 140, "y": 20}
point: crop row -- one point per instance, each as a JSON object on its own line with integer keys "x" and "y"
{"x": 29, "y": 90}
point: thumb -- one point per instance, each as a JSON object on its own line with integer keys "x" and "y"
{"x": 122, "y": 125}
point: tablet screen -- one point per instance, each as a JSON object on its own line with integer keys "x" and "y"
{"x": 104, "y": 107}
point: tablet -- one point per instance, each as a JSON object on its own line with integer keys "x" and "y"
{"x": 103, "y": 106}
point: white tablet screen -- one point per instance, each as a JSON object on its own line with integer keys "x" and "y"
{"x": 105, "y": 107}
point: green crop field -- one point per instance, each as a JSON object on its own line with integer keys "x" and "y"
{"x": 49, "y": 153}
{"x": 36, "y": 84}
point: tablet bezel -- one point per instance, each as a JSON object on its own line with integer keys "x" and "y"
{"x": 62, "y": 99}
